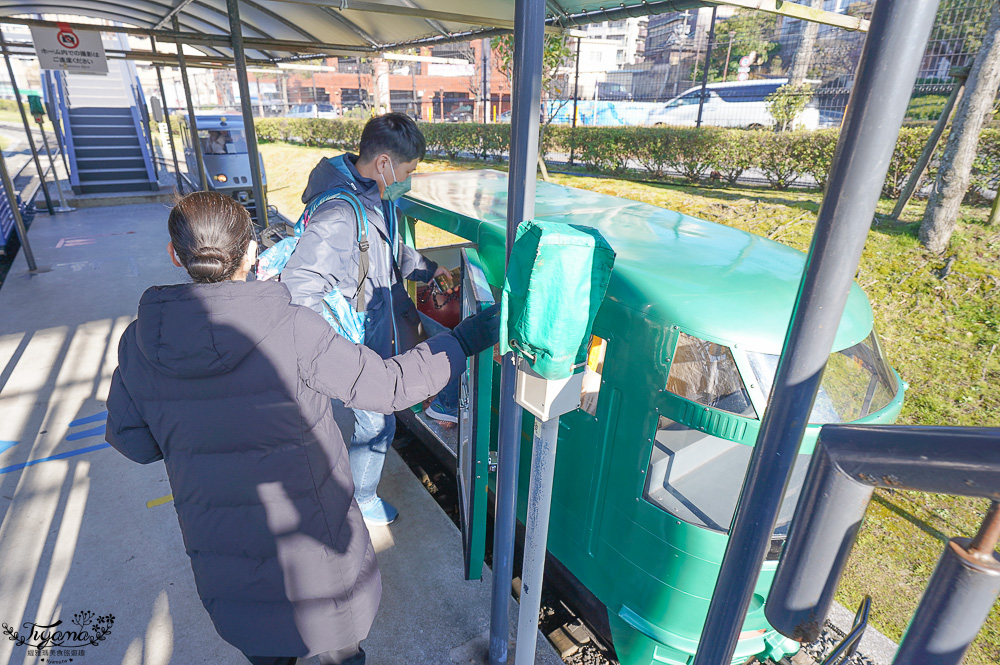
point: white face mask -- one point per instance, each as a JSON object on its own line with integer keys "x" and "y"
{"x": 394, "y": 191}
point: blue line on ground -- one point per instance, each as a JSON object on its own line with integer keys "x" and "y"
{"x": 18, "y": 467}
{"x": 103, "y": 415}
{"x": 6, "y": 445}
{"x": 87, "y": 432}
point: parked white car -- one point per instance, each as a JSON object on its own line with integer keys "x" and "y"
{"x": 319, "y": 110}
{"x": 733, "y": 104}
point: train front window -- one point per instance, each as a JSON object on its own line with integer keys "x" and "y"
{"x": 222, "y": 141}
{"x": 705, "y": 373}
{"x": 698, "y": 477}
{"x": 857, "y": 382}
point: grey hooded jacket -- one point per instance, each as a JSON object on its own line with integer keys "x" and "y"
{"x": 327, "y": 254}
{"x": 230, "y": 385}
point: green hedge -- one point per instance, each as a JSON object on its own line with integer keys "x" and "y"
{"x": 783, "y": 158}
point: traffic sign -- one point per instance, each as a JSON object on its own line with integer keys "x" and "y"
{"x": 742, "y": 76}
{"x": 745, "y": 61}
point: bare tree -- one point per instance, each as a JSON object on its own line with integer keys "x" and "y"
{"x": 956, "y": 161}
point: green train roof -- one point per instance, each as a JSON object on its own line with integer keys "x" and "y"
{"x": 727, "y": 285}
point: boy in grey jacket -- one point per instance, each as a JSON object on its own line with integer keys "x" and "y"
{"x": 328, "y": 255}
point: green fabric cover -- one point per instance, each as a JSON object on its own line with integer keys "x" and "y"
{"x": 555, "y": 283}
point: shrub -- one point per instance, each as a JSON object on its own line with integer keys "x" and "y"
{"x": 909, "y": 145}
{"x": 814, "y": 151}
{"x": 736, "y": 150}
{"x": 780, "y": 161}
{"x": 986, "y": 167}
{"x": 605, "y": 148}
{"x": 496, "y": 140}
{"x": 652, "y": 145}
{"x": 270, "y": 130}
{"x": 692, "y": 151}
{"x": 782, "y": 157}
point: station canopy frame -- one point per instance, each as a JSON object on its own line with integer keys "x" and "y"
{"x": 280, "y": 30}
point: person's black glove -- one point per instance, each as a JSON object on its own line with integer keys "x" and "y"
{"x": 480, "y": 331}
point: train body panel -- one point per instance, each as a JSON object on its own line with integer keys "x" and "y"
{"x": 684, "y": 349}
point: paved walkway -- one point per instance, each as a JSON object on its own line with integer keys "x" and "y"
{"x": 82, "y": 529}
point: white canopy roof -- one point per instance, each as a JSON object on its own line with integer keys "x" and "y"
{"x": 367, "y": 25}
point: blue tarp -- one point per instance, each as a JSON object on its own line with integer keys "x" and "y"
{"x": 591, "y": 113}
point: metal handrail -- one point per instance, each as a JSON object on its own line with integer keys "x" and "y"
{"x": 63, "y": 98}
{"x": 849, "y": 645}
{"x": 144, "y": 142}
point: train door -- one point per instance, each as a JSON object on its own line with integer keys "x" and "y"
{"x": 474, "y": 424}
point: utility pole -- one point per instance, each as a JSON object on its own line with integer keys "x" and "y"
{"x": 704, "y": 74}
{"x": 576, "y": 95}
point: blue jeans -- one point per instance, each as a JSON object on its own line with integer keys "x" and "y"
{"x": 373, "y": 434}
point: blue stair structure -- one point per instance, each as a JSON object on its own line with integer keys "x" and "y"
{"x": 105, "y": 131}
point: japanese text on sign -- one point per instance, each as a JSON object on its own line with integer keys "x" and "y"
{"x": 68, "y": 50}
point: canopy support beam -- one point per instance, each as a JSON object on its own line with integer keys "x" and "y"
{"x": 192, "y": 120}
{"x": 196, "y": 38}
{"x": 526, "y": 98}
{"x": 172, "y": 13}
{"x": 886, "y": 72}
{"x": 27, "y": 131}
{"x": 236, "y": 32}
{"x": 166, "y": 118}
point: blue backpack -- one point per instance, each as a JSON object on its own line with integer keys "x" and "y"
{"x": 348, "y": 321}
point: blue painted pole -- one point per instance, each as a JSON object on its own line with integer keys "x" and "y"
{"x": 886, "y": 73}
{"x": 526, "y": 97}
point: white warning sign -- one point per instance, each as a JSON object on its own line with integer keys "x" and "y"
{"x": 69, "y": 50}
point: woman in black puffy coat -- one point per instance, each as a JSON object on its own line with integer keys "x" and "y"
{"x": 230, "y": 384}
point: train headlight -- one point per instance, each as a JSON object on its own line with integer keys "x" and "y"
{"x": 221, "y": 177}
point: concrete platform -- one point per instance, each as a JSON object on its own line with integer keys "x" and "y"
{"x": 82, "y": 529}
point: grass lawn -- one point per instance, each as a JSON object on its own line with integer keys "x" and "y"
{"x": 941, "y": 335}
{"x": 15, "y": 117}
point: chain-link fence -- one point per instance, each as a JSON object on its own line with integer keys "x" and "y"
{"x": 763, "y": 70}
{"x": 724, "y": 67}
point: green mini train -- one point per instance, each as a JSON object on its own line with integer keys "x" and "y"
{"x": 681, "y": 362}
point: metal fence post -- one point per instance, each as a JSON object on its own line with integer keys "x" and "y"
{"x": 236, "y": 33}
{"x": 192, "y": 121}
{"x": 576, "y": 95}
{"x": 166, "y": 118}
{"x": 704, "y": 74}
{"x": 27, "y": 128}
{"x": 886, "y": 73}
{"x": 526, "y": 96}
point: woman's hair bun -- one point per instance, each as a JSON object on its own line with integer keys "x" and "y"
{"x": 209, "y": 264}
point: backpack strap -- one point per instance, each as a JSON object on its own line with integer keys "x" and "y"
{"x": 361, "y": 217}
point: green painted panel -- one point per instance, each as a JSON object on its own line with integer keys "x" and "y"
{"x": 718, "y": 282}
{"x": 672, "y": 273}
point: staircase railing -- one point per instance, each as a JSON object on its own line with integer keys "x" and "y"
{"x": 63, "y": 100}
{"x": 142, "y": 131}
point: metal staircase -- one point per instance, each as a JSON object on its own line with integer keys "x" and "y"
{"x": 104, "y": 133}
